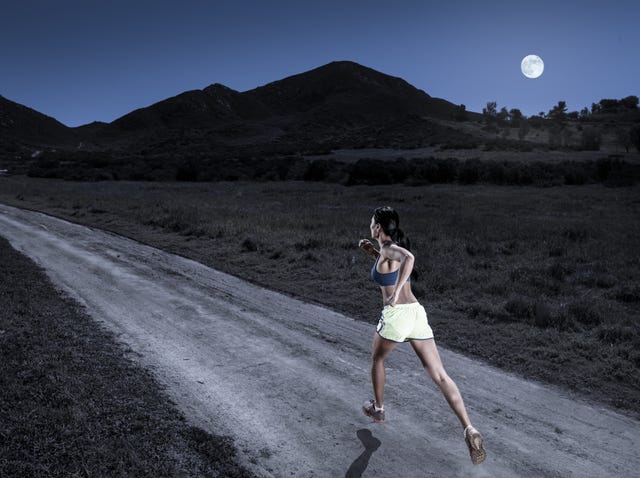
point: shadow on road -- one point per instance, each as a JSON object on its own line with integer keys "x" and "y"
{"x": 360, "y": 464}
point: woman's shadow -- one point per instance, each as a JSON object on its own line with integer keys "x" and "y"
{"x": 360, "y": 464}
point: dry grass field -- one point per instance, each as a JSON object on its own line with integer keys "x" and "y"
{"x": 542, "y": 281}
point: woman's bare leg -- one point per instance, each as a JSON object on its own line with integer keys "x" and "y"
{"x": 380, "y": 350}
{"x": 428, "y": 354}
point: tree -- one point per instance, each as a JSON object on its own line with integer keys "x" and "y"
{"x": 516, "y": 117}
{"x": 609, "y": 106}
{"x": 536, "y": 121}
{"x": 490, "y": 116}
{"x": 491, "y": 109}
{"x": 623, "y": 135}
{"x": 559, "y": 113}
{"x": 503, "y": 116}
{"x": 556, "y": 128}
{"x": 555, "y": 134}
{"x": 630, "y": 102}
{"x": 584, "y": 113}
{"x": 461, "y": 114}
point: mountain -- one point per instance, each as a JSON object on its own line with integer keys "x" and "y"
{"x": 25, "y": 126}
{"x": 201, "y": 109}
{"x": 338, "y": 105}
{"x": 341, "y": 104}
{"x": 347, "y": 89}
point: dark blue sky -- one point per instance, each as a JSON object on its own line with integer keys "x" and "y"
{"x": 86, "y": 60}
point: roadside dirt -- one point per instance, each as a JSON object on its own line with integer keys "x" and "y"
{"x": 286, "y": 379}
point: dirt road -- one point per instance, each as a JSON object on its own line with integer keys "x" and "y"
{"x": 286, "y": 379}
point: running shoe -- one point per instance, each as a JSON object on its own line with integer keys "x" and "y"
{"x": 473, "y": 439}
{"x": 369, "y": 409}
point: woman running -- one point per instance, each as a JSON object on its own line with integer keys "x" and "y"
{"x": 405, "y": 320}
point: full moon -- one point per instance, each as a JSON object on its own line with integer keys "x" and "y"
{"x": 532, "y": 66}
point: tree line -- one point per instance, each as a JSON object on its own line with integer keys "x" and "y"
{"x": 620, "y": 117}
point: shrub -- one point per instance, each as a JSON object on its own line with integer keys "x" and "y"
{"x": 585, "y": 312}
{"x": 563, "y": 321}
{"x": 575, "y": 174}
{"x": 634, "y": 135}
{"x": 542, "y": 315}
{"x": 603, "y": 169}
{"x": 606, "y": 281}
{"x": 559, "y": 271}
{"x": 276, "y": 255}
{"x": 575, "y": 234}
{"x": 519, "y": 307}
{"x": 249, "y": 245}
{"x": 305, "y": 246}
{"x": 310, "y": 257}
{"x": 591, "y": 139}
{"x": 370, "y": 172}
{"x": 316, "y": 171}
{"x": 615, "y": 333}
{"x": 187, "y": 172}
{"x": 557, "y": 250}
{"x": 470, "y": 171}
{"x": 627, "y": 294}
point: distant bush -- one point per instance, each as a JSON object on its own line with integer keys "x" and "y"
{"x": 585, "y": 312}
{"x": 459, "y": 143}
{"x": 634, "y": 136}
{"x": 627, "y": 294}
{"x": 371, "y": 172}
{"x": 575, "y": 233}
{"x": 187, "y": 172}
{"x": 616, "y": 333}
{"x": 559, "y": 271}
{"x": 575, "y": 174}
{"x": 317, "y": 170}
{"x": 505, "y": 144}
{"x": 470, "y": 171}
{"x": 591, "y": 139}
{"x": 519, "y": 307}
{"x": 307, "y": 245}
{"x": 542, "y": 316}
{"x": 612, "y": 171}
{"x": 249, "y": 245}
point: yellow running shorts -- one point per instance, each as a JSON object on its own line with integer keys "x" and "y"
{"x": 404, "y": 322}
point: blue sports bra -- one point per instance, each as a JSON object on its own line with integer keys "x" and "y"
{"x": 381, "y": 279}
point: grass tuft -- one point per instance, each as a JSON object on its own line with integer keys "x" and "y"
{"x": 248, "y": 245}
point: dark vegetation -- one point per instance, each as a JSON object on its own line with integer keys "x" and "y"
{"x": 611, "y": 170}
{"x": 581, "y": 131}
{"x": 72, "y": 401}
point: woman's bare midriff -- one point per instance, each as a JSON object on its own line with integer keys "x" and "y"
{"x": 405, "y": 297}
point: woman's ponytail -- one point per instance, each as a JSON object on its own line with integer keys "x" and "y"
{"x": 389, "y": 221}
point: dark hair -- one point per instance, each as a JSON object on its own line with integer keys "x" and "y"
{"x": 389, "y": 221}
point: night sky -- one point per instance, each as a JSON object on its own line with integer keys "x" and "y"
{"x": 87, "y": 60}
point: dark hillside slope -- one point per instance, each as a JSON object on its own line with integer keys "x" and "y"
{"x": 23, "y": 125}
